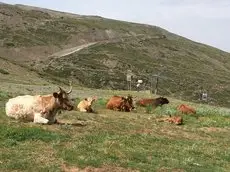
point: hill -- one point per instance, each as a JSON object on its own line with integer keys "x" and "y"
{"x": 31, "y": 37}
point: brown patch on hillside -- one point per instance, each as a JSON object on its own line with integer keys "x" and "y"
{"x": 214, "y": 129}
{"x": 105, "y": 168}
{"x": 170, "y": 170}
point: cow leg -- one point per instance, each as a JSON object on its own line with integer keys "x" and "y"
{"x": 53, "y": 121}
{"x": 89, "y": 109}
{"x": 39, "y": 119}
{"x": 82, "y": 110}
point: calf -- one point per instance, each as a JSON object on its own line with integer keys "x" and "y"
{"x": 39, "y": 108}
{"x": 186, "y": 109}
{"x": 120, "y": 103}
{"x": 86, "y": 104}
{"x": 178, "y": 120}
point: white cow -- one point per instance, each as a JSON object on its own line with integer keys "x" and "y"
{"x": 39, "y": 108}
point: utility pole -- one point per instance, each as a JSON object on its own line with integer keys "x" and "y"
{"x": 156, "y": 84}
{"x": 129, "y": 79}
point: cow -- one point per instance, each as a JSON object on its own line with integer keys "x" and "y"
{"x": 120, "y": 103}
{"x": 178, "y": 120}
{"x": 185, "y": 109}
{"x": 39, "y": 108}
{"x": 152, "y": 102}
{"x": 86, "y": 104}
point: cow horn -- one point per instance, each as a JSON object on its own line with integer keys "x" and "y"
{"x": 60, "y": 89}
{"x": 70, "y": 90}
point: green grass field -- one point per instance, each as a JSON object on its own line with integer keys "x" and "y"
{"x": 118, "y": 141}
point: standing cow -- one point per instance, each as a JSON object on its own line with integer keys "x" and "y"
{"x": 120, "y": 103}
{"x": 39, "y": 108}
{"x": 86, "y": 104}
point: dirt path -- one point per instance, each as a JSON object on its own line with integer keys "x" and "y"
{"x": 72, "y": 50}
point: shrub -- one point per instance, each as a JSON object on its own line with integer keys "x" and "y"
{"x": 101, "y": 101}
{"x": 4, "y": 95}
{"x": 149, "y": 109}
{"x": 2, "y": 71}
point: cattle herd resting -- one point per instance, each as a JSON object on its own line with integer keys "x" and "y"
{"x": 44, "y": 108}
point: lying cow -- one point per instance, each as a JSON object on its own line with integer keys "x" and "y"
{"x": 120, "y": 103}
{"x": 86, "y": 104}
{"x": 152, "y": 102}
{"x": 178, "y": 120}
{"x": 39, "y": 108}
{"x": 186, "y": 109}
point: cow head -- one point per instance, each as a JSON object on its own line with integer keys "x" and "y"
{"x": 127, "y": 103}
{"x": 62, "y": 99}
{"x": 90, "y": 100}
{"x": 161, "y": 101}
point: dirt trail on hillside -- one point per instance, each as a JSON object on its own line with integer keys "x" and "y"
{"x": 72, "y": 50}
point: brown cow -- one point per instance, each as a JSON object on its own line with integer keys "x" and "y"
{"x": 86, "y": 104}
{"x": 152, "y": 102}
{"x": 186, "y": 109}
{"x": 178, "y": 120}
{"x": 120, "y": 103}
{"x": 39, "y": 108}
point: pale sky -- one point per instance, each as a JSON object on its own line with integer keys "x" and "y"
{"x": 205, "y": 21}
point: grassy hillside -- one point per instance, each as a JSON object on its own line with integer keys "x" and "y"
{"x": 29, "y": 36}
{"x": 13, "y": 73}
{"x": 184, "y": 67}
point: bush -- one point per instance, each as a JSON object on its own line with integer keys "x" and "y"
{"x": 101, "y": 101}
{"x": 4, "y": 95}
{"x": 2, "y": 71}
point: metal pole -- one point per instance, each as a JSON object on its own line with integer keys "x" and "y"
{"x": 156, "y": 86}
{"x": 151, "y": 85}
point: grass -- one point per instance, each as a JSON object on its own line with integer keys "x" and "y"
{"x": 112, "y": 140}
{"x": 17, "y": 134}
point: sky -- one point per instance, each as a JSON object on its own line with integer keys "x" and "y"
{"x": 205, "y": 21}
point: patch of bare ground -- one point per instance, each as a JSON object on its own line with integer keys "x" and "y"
{"x": 214, "y": 129}
{"x": 50, "y": 155}
{"x": 170, "y": 170}
{"x": 104, "y": 168}
{"x": 173, "y": 132}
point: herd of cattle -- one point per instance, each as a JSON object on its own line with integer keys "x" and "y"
{"x": 44, "y": 108}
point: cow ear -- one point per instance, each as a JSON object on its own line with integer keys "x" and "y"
{"x": 55, "y": 95}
